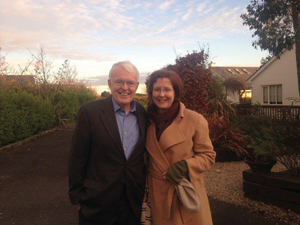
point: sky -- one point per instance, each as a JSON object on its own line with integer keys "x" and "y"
{"x": 95, "y": 34}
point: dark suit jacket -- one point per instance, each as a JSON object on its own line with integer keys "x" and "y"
{"x": 98, "y": 169}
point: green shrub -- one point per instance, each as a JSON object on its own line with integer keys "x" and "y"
{"x": 22, "y": 115}
{"x": 67, "y": 103}
{"x": 86, "y": 95}
{"x": 28, "y": 108}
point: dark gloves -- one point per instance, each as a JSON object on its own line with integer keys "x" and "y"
{"x": 177, "y": 171}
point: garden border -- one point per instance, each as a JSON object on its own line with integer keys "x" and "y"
{"x": 280, "y": 189}
{"x": 27, "y": 140}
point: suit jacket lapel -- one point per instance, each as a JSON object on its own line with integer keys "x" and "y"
{"x": 108, "y": 117}
{"x": 141, "y": 120}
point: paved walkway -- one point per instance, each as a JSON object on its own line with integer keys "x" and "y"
{"x": 34, "y": 187}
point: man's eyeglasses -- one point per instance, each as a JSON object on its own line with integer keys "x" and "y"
{"x": 121, "y": 83}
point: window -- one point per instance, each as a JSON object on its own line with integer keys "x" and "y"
{"x": 265, "y": 95}
{"x": 245, "y": 96}
{"x": 245, "y": 71}
{"x": 245, "y": 93}
{"x": 272, "y": 94}
{"x": 237, "y": 70}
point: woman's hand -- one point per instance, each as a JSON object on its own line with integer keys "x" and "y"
{"x": 177, "y": 172}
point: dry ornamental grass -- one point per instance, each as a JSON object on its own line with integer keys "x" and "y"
{"x": 225, "y": 182}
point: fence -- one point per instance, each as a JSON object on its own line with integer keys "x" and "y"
{"x": 275, "y": 112}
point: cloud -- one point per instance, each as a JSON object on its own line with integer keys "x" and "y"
{"x": 95, "y": 81}
{"x": 202, "y": 6}
{"x": 106, "y": 30}
{"x": 168, "y": 26}
{"x": 97, "y": 23}
{"x": 165, "y": 5}
{"x": 188, "y": 14}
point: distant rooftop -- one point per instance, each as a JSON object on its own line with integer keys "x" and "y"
{"x": 241, "y": 72}
{"x": 20, "y": 79}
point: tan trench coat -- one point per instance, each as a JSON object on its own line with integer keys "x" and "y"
{"x": 187, "y": 138}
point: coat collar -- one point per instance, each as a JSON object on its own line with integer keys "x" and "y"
{"x": 173, "y": 134}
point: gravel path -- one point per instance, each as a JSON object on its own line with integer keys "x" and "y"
{"x": 225, "y": 183}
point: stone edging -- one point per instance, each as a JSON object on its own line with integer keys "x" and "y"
{"x": 32, "y": 138}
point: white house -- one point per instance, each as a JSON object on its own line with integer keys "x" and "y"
{"x": 276, "y": 81}
{"x": 239, "y": 73}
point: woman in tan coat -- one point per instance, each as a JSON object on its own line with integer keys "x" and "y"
{"x": 179, "y": 146}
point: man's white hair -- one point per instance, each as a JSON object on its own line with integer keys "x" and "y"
{"x": 126, "y": 65}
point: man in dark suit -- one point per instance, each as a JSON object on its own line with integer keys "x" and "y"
{"x": 106, "y": 163}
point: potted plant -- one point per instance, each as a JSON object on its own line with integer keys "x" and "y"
{"x": 263, "y": 156}
{"x": 274, "y": 141}
{"x": 260, "y": 163}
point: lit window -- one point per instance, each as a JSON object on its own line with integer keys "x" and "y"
{"x": 246, "y": 94}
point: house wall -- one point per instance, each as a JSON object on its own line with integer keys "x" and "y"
{"x": 281, "y": 71}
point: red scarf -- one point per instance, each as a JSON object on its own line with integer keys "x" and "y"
{"x": 163, "y": 120}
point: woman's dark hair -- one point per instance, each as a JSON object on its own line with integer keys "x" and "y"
{"x": 159, "y": 74}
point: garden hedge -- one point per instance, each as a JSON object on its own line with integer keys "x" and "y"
{"x": 22, "y": 115}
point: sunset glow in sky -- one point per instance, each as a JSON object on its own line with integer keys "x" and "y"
{"x": 94, "y": 34}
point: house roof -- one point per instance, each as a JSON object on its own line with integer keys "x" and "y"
{"x": 21, "y": 79}
{"x": 240, "y": 72}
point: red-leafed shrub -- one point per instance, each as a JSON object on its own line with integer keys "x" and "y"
{"x": 204, "y": 95}
{"x": 196, "y": 78}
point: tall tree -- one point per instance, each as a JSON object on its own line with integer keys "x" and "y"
{"x": 276, "y": 24}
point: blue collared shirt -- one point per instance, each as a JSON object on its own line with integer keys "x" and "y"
{"x": 128, "y": 127}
